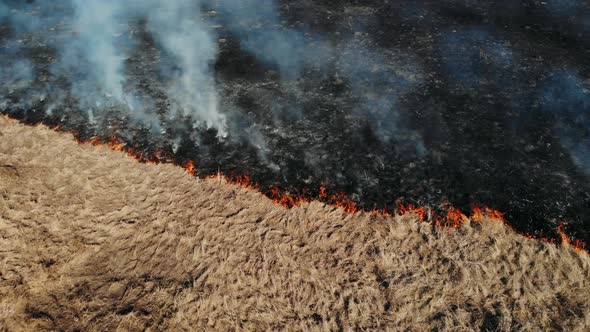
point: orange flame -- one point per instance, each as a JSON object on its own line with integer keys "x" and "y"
{"x": 420, "y": 211}
{"x": 241, "y": 180}
{"x": 116, "y": 144}
{"x": 286, "y": 199}
{"x": 479, "y": 213}
{"x": 94, "y": 140}
{"x": 189, "y": 166}
{"x": 453, "y": 219}
{"x": 112, "y": 143}
{"x": 577, "y": 245}
{"x": 342, "y": 201}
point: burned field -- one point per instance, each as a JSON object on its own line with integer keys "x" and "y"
{"x": 431, "y": 103}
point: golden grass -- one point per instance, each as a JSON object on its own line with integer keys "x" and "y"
{"x": 92, "y": 240}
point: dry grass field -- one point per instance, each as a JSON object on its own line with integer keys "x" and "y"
{"x": 92, "y": 240}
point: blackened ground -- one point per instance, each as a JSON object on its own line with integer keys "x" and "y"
{"x": 477, "y": 127}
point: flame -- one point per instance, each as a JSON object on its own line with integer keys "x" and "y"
{"x": 116, "y": 144}
{"x": 189, "y": 166}
{"x": 380, "y": 212}
{"x": 451, "y": 217}
{"x": 241, "y": 180}
{"x": 285, "y": 198}
{"x": 156, "y": 158}
{"x": 289, "y": 200}
{"x": 454, "y": 218}
{"x": 217, "y": 175}
{"x": 113, "y": 143}
{"x": 342, "y": 201}
{"x": 94, "y": 140}
{"x": 419, "y": 211}
{"x": 322, "y": 193}
{"x": 577, "y": 245}
{"x": 479, "y": 213}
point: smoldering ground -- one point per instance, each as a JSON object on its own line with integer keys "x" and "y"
{"x": 425, "y": 102}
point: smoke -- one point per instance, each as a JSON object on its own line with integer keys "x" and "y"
{"x": 96, "y": 28}
{"x": 566, "y": 96}
{"x": 19, "y": 16}
{"x": 14, "y": 74}
{"x": 377, "y": 81}
{"x": 181, "y": 31}
{"x": 300, "y": 93}
{"x": 258, "y": 25}
{"x": 16, "y": 71}
{"x": 93, "y": 41}
{"x": 473, "y": 58}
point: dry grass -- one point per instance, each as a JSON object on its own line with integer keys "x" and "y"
{"x": 92, "y": 240}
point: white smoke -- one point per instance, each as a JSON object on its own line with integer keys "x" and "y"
{"x": 180, "y": 29}
{"x": 96, "y": 26}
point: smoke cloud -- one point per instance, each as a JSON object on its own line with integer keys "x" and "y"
{"x": 93, "y": 40}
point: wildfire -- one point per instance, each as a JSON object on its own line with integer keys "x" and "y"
{"x": 116, "y": 144}
{"x": 449, "y": 217}
{"x": 156, "y": 158}
{"x": 112, "y": 143}
{"x": 241, "y": 180}
{"x": 454, "y": 218}
{"x": 577, "y": 245}
{"x": 419, "y": 211}
{"x": 342, "y": 201}
{"x": 322, "y": 193}
{"x": 286, "y": 199}
{"x": 190, "y": 168}
{"x": 479, "y": 213}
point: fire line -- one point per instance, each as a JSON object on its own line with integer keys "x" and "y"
{"x": 450, "y": 218}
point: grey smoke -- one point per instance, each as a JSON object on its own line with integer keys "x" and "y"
{"x": 14, "y": 74}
